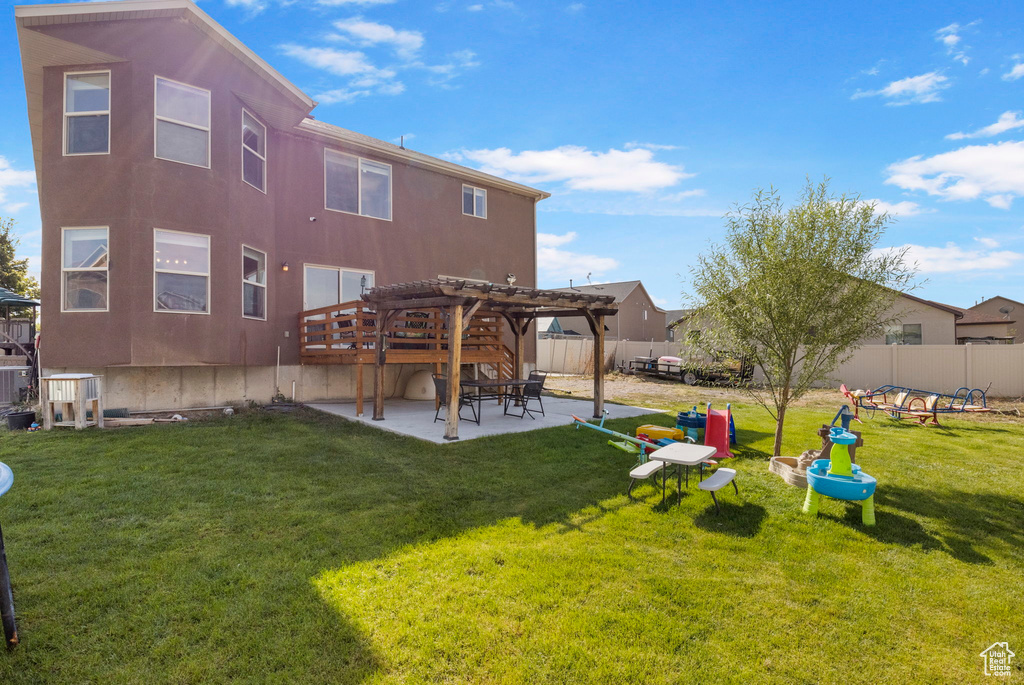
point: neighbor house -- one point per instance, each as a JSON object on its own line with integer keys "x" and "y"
{"x": 992, "y": 321}
{"x": 638, "y": 317}
{"x": 919, "y": 322}
{"x": 192, "y": 209}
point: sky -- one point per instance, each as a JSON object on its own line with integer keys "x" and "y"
{"x": 649, "y": 121}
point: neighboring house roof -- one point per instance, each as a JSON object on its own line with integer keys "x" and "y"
{"x": 955, "y": 311}
{"x": 620, "y": 291}
{"x": 999, "y": 297}
{"x": 39, "y": 50}
{"x": 674, "y": 316}
{"x": 969, "y": 317}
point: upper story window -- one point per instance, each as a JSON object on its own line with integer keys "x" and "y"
{"x": 182, "y": 126}
{"x": 474, "y": 201}
{"x": 181, "y": 265}
{"x": 84, "y": 263}
{"x": 254, "y": 152}
{"x": 254, "y": 283}
{"x": 87, "y": 113}
{"x": 356, "y": 185}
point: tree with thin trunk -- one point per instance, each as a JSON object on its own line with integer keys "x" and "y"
{"x": 796, "y": 290}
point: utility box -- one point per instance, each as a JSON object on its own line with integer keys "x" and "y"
{"x": 69, "y": 397}
{"x": 13, "y": 381}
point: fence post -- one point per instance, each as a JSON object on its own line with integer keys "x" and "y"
{"x": 895, "y": 364}
{"x": 968, "y": 366}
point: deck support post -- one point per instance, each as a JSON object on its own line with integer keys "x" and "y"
{"x": 378, "y": 365}
{"x": 596, "y": 321}
{"x": 451, "y": 419}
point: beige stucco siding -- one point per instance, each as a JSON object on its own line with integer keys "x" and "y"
{"x": 938, "y": 326}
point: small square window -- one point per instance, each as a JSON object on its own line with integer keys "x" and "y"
{"x": 474, "y": 201}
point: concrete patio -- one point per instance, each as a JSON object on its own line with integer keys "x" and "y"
{"x": 415, "y": 418}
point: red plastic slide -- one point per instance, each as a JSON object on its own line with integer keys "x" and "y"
{"x": 716, "y": 433}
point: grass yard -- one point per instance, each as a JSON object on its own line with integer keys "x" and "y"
{"x": 304, "y": 549}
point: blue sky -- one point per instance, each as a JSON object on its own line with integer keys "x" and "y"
{"x": 647, "y": 121}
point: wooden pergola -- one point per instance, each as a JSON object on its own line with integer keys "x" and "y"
{"x": 459, "y": 300}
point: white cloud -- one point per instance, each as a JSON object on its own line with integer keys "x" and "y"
{"x": 1007, "y": 122}
{"x": 988, "y": 242}
{"x": 896, "y": 208}
{"x": 369, "y": 33}
{"x": 911, "y": 90}
{"x": 952, "y": 258}
{"x": 580, "y": 168}
{"x": 554, "y": 263}
{"x": 993, "y": 172}
{"x": 677, "y": 197}
{"x": 575, "y": 7}
{"x": 633, "y": 145}
{"x": 15, "y": 207}
{"x": 337, "y": 3}
{"x": 339, "y": 62}
{"x": 251, "y": 5}
{"x": 475, "y": 8}
{"x": 1015, "y": 73}
{"x": 951, "y": 38}
{"x": 13, "y": 178}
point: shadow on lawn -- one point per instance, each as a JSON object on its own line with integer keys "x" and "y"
{"x": 961, "y": 523}
{"x": 232, "y": 521}
{"x": 738, "y": 519}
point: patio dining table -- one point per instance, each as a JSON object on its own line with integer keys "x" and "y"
{"x": 515, "y": 384}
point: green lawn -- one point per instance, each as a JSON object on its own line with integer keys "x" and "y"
{"x": 304, "y": 549}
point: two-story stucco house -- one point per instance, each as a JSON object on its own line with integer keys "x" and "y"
{"x": 192, "y": 208}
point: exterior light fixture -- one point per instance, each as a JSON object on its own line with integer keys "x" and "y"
{"x": 284, "y": 266}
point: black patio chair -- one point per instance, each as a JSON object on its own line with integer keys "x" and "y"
{"x": 530, "y": 393}
{"x": 441, "y": 388}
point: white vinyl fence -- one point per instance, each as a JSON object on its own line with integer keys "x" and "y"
{"x": 942, "y": 368}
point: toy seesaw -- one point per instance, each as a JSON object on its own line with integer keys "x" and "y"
{"x": 627, "y": 443}
{"x": 900, "y": 402}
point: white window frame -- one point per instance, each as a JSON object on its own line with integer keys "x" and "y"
{"x": 64, "y": 136}
{"x": 266, "y": 150}
{"x": 64, "y": 269}
{"x": 339, "y": 269}
{"x": 209, "y": 265}
{"x": 359, "y": 192}
{"x": 266, "y": 278}
{"x": 209, "y": 117}
{"x": 474, "y": 189}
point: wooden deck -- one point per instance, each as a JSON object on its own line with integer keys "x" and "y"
{"x": 346, "y": 333}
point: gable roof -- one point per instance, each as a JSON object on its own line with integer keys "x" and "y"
{"x": 998, "y": 297}
{"x": 620, "y": 291}
{"x": 289, "y": 112}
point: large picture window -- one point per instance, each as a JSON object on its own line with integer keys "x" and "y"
{"x": 84, "y": 263}
{"x": 474, "y": 201}
{"x": 356, "y": 185}
{"x": 182, "y": 126}
{"x": 254, "y": 283}
{"x": 181, "y": 276}
{"x": 87, "y": 113}
{"x": 254, "y": 152}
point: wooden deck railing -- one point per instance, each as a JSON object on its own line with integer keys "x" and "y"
{"x": 346, "y": 333}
